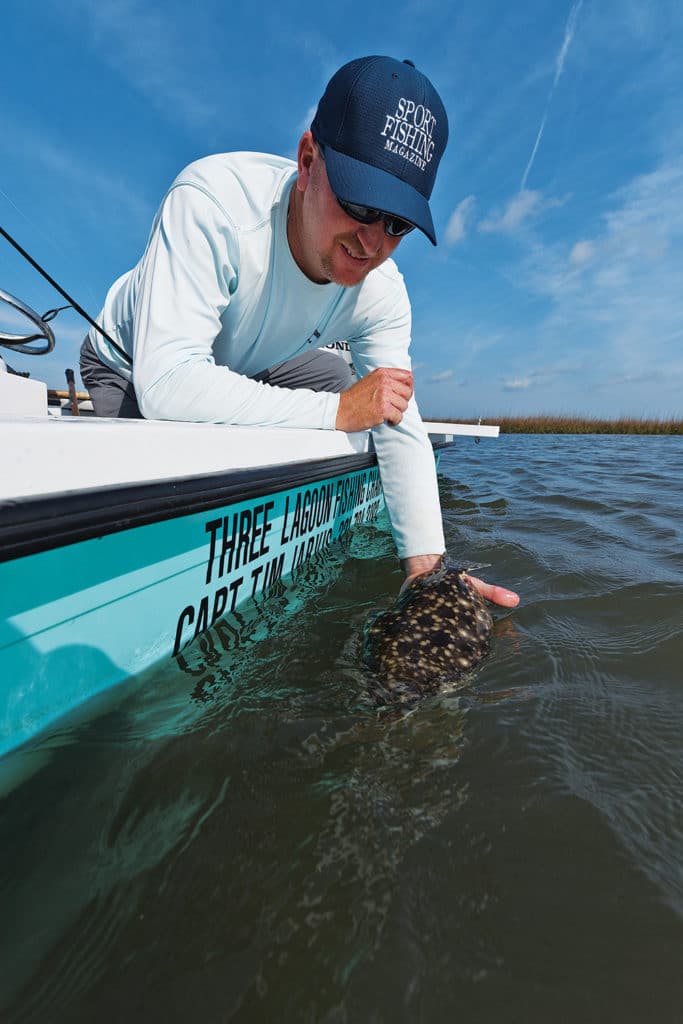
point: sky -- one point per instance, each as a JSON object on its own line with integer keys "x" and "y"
{"x": 557, "y": 284}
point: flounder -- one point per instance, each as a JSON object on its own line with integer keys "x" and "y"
{"x": 436, "y": 631}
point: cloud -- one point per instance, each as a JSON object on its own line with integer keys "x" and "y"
{"x": 158, "y": 52}
{"x": 582, "y": 252}
{"x": 66, "y": 326}
{"x": 85, "y": 187}
{"x": 518, "y": 384}
{"x": 456, "y": 229}
{"x": 518, "y": 210}
{"x": 306, "y": 121}
{"x": 92, "y": 183}
{"x": 615, "y": 299}
{"x": 12, "y": 321}
{"x": 443, "y": 375}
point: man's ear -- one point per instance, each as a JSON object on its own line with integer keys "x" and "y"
{"x": 305, "y": 157}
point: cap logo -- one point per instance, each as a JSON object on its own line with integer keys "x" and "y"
{"x": 408, "y": 132}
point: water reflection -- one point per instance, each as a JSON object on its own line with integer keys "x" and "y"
{"x": 268, "y": 821}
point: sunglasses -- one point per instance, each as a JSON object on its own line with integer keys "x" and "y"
{"x": 395, "y": 227}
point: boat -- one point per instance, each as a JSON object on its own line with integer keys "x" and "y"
{"x": 110, "y": 565}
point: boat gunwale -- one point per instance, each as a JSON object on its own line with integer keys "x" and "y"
{"x": 34, "y": 524}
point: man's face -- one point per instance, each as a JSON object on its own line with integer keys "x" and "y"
{"x": 327, "y": 244}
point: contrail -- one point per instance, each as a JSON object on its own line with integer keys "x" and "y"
{"x": 12, "y": 203}
{"x": 569, "y": 30}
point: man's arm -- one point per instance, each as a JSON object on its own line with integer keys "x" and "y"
{"x": 405, "y": 456}
{"x": 381, "y": 399}
{"x": 383, "y": 396}
{"x": 185, "y": 282}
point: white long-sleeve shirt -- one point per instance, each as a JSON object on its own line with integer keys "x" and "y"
{"x": 218, "y": 295}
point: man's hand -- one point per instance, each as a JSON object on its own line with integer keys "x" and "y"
{"x": 415, "y": 565}
{"x": 418, "y": 564}
{"x": 381, "y": 397}
{"x": 497, "y": 595}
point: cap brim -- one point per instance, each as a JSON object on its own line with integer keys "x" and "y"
{"x": 358, "y": 182}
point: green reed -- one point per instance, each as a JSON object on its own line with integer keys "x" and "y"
{"x": 546, "y": 424}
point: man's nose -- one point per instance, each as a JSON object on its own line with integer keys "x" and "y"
{"x": 371, "y": 237}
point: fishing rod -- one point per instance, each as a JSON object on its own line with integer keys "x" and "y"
{"x": 53, "y": 312}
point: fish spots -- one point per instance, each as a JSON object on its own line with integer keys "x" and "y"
{"x": 438, "y": 630}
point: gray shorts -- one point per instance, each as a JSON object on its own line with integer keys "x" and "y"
{"x": 113, "y": 395}
{"x": 110, "y": 393}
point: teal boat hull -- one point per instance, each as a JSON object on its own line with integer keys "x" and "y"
{"x": 98, "y": 586}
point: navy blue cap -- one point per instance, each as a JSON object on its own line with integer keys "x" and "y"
{"x": 384, "y": 129}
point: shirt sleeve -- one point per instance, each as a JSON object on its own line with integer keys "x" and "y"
{"x": 404, "y": 452}
{"x": 187, "y": 275}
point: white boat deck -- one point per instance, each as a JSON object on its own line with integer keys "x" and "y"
{"x": 45, "y": 455}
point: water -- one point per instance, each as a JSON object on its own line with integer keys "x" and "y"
{"x": 244, "y": 838}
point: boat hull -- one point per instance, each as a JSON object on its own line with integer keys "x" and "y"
{"x": 100, "y": 584}
{"x": 123, "y": 540}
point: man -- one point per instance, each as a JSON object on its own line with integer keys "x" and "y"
{"x": 253, "y": 264}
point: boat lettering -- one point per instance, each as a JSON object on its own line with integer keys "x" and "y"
{"x": 239, "y": 535}
{"x": 307, "y": 548}
{"x": 311, "y": 509}
{"x": 201, "y": 620}
{"x": 367, "y": 514}
{"x": 350, "y": 492}
{"x": 374, "y": 488}
{"x": 272, "y": 573}
{"x": 248, "y": 549}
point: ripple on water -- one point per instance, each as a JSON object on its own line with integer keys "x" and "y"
{"x": 245, "y": 822}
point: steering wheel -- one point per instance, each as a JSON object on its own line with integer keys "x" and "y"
{"x": 23, "y": 342}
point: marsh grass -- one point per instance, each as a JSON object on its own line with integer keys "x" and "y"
{"x": 545, "y": 424}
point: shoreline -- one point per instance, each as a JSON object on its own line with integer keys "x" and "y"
{"x": 546, "y": 424}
